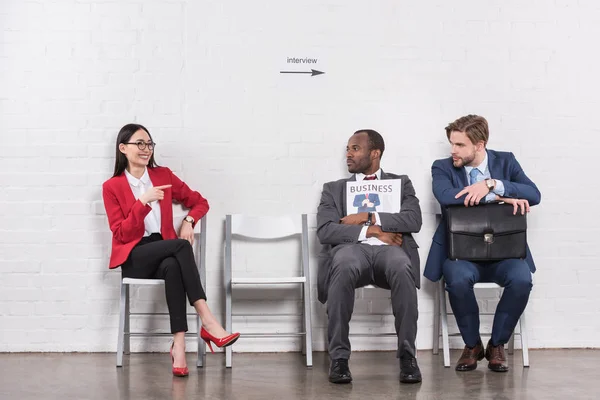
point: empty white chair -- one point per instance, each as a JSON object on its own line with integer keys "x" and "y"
{"x": 440, "y": 316}
{"x": 265, "y": 228}
{"x": 124, "y": 335}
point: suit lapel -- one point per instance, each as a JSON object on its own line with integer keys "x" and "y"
{"x": 351, "y": 179}
{"x": 126, "y": 190}
{"x": 462, "y": 176}
{"x": 155, "y": 177}
{"x": 495, "y": 170}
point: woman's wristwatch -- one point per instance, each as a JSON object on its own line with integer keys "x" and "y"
{"x": 189, "y": 219}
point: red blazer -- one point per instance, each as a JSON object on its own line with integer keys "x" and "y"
{"x": 126, "y": 214}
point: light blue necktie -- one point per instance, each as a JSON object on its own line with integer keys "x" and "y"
{"x": 475, "y": 175}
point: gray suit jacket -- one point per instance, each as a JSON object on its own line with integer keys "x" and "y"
{"x": 331, "y": 233}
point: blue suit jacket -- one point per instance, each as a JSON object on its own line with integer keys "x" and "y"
{"x": 448, "y": 181}
{"x": 373, "y": 197}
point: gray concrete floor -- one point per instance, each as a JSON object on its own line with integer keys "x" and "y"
{"x": 554, "y": 374}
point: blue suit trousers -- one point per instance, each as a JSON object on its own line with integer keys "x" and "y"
{"x": 512, "y": 274}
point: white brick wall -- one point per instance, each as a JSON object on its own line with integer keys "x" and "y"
{"x": 203, "y": 76}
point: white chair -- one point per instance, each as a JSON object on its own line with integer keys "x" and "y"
{"x": 440, "y": 316}
{"x": 267, "y": 228}
{"x": 124, "y": 335}
{"x": 380, "y": 334}
{"x": 369, "y": 287}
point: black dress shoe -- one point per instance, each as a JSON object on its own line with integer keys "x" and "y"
{"x": 339, "y": 371}
{"x": 409, "y": 370}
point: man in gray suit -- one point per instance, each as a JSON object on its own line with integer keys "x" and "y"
{"x": 368, "y": 248}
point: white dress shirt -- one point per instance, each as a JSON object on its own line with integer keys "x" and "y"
{"x": 139, "y": 187}
{"x": 485, "y": 173}
{"x": 362, "y": 237}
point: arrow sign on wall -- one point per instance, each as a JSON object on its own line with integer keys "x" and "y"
{"x": 312, "y": 72}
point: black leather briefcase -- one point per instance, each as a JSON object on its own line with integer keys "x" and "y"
{"x": 487, "y": 232}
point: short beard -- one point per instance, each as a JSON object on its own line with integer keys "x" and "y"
{"x": 352, "y": 168}
{"x": 357, "y": 168}
{"x": 461, "y": 162}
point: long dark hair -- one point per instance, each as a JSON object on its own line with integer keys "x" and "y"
{"x": 124, "y": 136}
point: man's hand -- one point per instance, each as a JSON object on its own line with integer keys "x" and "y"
{"x": 354, "y": 219}
{"x": 187, "y": 232}
{"x": 474, "y": 192}
{"x": 517, "y": 204}
{"x": 391, "y": 238}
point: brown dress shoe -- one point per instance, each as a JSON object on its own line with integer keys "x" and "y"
{"x": 497, "y": 357}
{"x": 470, "y": 356}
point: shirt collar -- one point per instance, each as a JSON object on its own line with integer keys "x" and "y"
{"x": 360, "y": 176}
{"x": 133, "y": 181}
{"x": 481, "y": 167}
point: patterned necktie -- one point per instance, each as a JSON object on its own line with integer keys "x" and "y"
{"x": 475, "y": 175}
{"x": 370, "y": 177}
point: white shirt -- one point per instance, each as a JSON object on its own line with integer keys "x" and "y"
{"x": 362, "y": 237}
{"x": 485, "y": 173}
{"x": 139, "y": 187}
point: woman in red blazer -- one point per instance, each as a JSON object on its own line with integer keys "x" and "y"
{"x": 138, "y": 201}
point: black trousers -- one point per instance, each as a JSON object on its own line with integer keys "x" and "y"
{"x": 173, "y": 261}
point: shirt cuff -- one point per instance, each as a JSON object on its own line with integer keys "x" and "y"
{"x": 490, "y": 197}
{"x": 499, "y": 188}
{"x": 363, "y": 234}
{"x": 377, "y": 219}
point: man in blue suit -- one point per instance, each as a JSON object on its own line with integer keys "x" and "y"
{"x": 474, "y": 174}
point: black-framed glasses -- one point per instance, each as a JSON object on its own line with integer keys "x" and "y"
{"x": 143, "y": 145}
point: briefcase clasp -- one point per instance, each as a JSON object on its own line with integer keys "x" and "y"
{"x": 488, "y": 238}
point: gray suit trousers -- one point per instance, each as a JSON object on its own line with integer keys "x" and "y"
{"x": 357, "y": 265}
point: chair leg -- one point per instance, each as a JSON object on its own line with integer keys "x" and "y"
{"x": 308, "y": 324}
{"x": 127, "y": 345}
{"x": 303, "y": 342}
{"x": 202, "y": 347}
{"x": 201, "y": 256}
{"x": 200, "y": 355}
{"x": 121, "y": 334}
{"x": 228, "y": 327}
{"x": 228, "y": 288}
{"x": 524, "y": 342}
{"x": 307, "y": 293}
{"x": 511, "y": 344}
{"x": 416, "y": 347}
{"x": 436, "y": 322}
{"x": 444, "y": 318}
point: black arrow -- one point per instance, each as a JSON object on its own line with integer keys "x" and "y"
{"x": 312, "y": 72}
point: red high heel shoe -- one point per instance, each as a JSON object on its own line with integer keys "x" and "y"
{"x": 222, "y": 342}
{"x": 178, "y": 371}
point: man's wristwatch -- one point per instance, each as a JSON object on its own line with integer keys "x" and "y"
{"x": 491, "y": 184}
{"x": 189, "y": 219}
{"x": 369, "y": 216}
